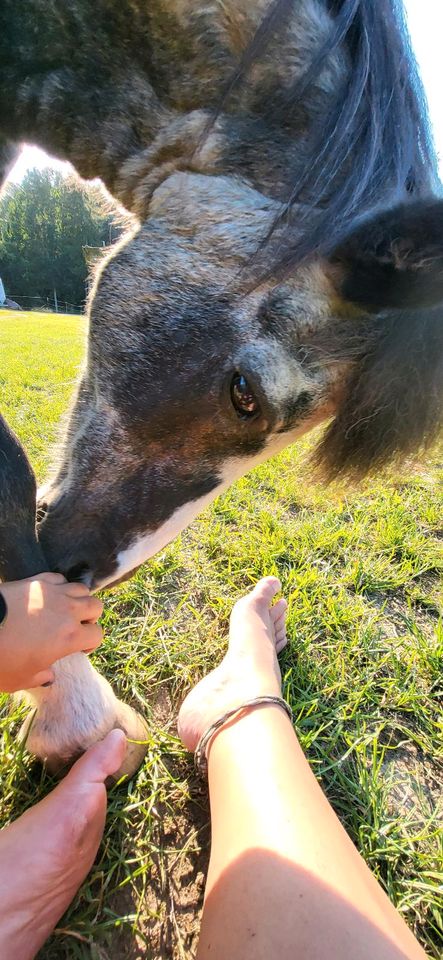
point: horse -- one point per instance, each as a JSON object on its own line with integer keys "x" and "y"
{"x": 284, "y": 268}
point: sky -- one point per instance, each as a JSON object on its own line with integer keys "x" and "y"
{"x": 426, "y": 26}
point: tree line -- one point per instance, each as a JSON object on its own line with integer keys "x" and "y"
{"x": 45, "y": 221}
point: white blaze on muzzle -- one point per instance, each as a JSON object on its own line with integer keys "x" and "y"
{"x": 148, "y": 544}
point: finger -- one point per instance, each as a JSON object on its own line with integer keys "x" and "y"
{"x": 39, "y": 679}
{"x": 88, "y": 609}
{"x": 76, "y": 639}
{"x": 88, "y": 637}
{"x": 77, "y": 590}
{"x": 49, "y": 577}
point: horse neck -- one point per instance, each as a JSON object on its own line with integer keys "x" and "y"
{"x": 119, "y": 110}
{"x": 20, "y": 553}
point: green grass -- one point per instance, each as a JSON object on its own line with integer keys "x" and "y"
{"x": 41, "y": 354}
{"x": 362, "y": 571}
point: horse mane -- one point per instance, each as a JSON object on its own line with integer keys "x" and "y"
{"x": 377, "y": 131}
{"x": 374, "y": 150}
{"x": 391, "y": 404}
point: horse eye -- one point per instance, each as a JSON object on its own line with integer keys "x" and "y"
{"x": 243, "y": 399}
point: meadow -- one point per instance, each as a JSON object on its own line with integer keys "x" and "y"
{"x": 361, "y": 568}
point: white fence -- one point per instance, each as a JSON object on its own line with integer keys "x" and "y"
{"x": 46, "y": 304}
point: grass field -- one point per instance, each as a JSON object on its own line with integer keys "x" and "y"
{"x": 363, "y": 671}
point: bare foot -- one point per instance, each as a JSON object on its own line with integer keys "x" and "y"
{"x": 250, "y": 668}
{"x": 46, "y": 854}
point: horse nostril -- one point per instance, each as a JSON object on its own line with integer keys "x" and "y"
{"x": 42, "y": 509}
{"x": 79, "y": 573}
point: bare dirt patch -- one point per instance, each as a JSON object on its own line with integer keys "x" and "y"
{"x": 168, "y": 908}
{"x": 414, "y": 785}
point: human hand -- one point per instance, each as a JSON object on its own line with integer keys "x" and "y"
{"x": 47, "y": 619}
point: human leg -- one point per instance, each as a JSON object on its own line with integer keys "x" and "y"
{"x": 285, "y": 881}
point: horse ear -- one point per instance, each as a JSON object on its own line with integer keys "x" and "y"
{"x": 393, "y": 260}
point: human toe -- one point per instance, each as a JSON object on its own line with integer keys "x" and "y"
{"x": 265, "y": 591}
{"x": 281, "y": 643}
{"x": 278, "y": 611}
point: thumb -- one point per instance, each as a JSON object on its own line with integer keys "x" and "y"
{"x": 102, "y": 759}
{"x": 41, "y": 678}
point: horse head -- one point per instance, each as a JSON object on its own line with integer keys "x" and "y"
{"x": 285, "y": 266}
{"x": 193, "y": 377}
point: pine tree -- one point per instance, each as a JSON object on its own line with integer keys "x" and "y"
{"x": 44, "y": 223}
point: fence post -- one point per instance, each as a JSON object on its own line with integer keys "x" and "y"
{"x": 55, "y": 301}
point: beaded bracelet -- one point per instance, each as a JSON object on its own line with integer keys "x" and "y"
{"x": 200, "y": 757}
